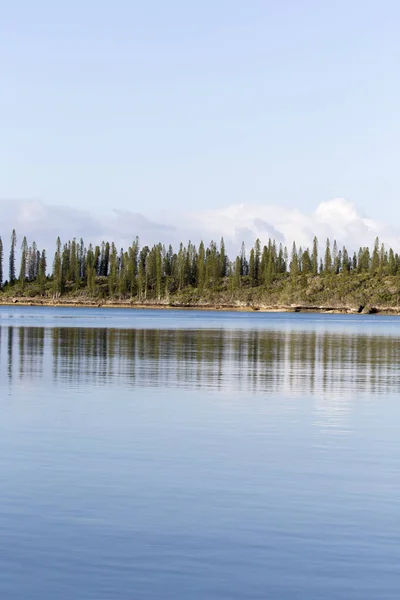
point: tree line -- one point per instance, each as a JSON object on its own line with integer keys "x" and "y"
{"x": 160, "y": 271}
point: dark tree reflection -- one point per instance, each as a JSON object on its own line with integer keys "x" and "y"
{"x": 270, "y": 361}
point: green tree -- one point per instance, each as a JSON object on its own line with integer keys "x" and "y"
{"x": 306, "y": 263}
{"x": 11, "y": 275}
{"x": 252, "y": 268}
{"x": 212, "y": 264}
{"x": 346, "y": 264}
{"x": 281, "y": 266}
{"x": 257, "y": 261}
{"x": 272, "y": 263}
{"x": 336, "y": 258}
{"x": 201, "y": 267}
{"x": 159, "y": 273}
{"x": 237, "y": 270}
{"x": 132, "y": 267}
{"x": 1, "y": 264}
{"x": 222, "y": 259}
{"x": 32, "y": 263}
{"x": 264, "y": 265}
{"x": 328, "y": 257}
{"x": 91, "y": 271}
{"x": 374, "y": 267}
{"x": 74, "y": 266}
{"x": 243, "y": 261}
{"x": 364, "y": 260}
{"x": 113, "y": 276}
{"x": 122, "y": 280}
{"x": 57, "y": 274}
{"x": 80, "y": 272}
{"x": 104, "y": 259}
{"x": 42, "y": 273}
{"x": 314, "y": 257}
{"x": 24, "y": 260}
{"x": 294, "y": 262}
{"x": 65, "y": 266}
{"x": 383, "y": 260}
{"x": 354, "y": 265}
{"x": 96, "y": 264}
{"x": 392, "y": 267}
{"x": 142, "y": 277}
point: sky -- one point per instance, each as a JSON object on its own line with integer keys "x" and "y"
{"x": 191, "y": 115}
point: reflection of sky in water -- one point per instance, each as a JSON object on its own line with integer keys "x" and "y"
{"x": 192, "y": 319}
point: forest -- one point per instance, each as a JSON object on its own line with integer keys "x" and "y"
{"x": 262, "y": 276}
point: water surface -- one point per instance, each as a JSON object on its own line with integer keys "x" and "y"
{"x": 162, "y": 454}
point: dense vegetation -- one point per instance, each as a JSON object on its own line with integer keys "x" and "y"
{"x": 267, "y": 275}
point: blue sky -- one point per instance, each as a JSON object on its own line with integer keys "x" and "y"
{"x": 154, "y": 106}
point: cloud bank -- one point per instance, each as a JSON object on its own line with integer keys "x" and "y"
{"x": 337, "y": 219}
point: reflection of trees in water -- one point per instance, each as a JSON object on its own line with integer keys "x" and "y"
{"x": 25, "y": 351}
{"x": 10, "y": 347}
{"x": 296, "y": 361}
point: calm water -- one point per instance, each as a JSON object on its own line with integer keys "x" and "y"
{"x": 188, "y": 455}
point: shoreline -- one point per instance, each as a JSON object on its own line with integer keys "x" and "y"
{"x": 262, "y": 308}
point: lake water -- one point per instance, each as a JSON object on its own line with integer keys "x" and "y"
{"x": 192, "y": 455}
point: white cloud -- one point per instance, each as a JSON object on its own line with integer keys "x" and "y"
{"x": 337, "y": 219}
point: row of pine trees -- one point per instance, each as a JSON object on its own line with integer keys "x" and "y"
{"x": 159, "y": 271}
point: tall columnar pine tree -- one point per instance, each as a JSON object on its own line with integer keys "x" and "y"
{"x": 133, "y": 265}
{"x": 273, "y": 263}
{"x": 363, "y": 260}
{"x": 158, "y": 261}
{"x": 11, "y": 272}
{"x": 23, "y": 265}
{"x": 244, "y": 265}
{"x": 1, "y": 263}
{"x": 328, "y": 257}
{"x": 42, "y": 271}
{"x": 57, "y": 270}
{"x": 252, "y": 268}
{"x": 237, "y": 270}
{"x": 306, "y": 264}
{"x": 346, "y": 264}
{"x": 257, "y": 261}
{"x": 335, "y": 257}
{"x": 375, "y": 260}
{"x": 222, "y": 259}
{"x": 391, "y": 263}
{"x": 264, "y": 265}
{"x": 81, "y": 267}
{"x": 73, "y": 273}
{"x": 281, "y": 266}
{"x": 354, "y": 262}
{"x": 32, "y": 263}
{"x": 383, "y": 260}
{"x": 212, "y": 264}
{"x": 112, "y": 279}
{"x": 314, "y": 257}
{"x": 142, "y": 283}
{"x": 294, "y": 262}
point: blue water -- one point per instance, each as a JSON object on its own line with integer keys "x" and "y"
{"x": 119, "y": 318}
{"x": 187, "y": 455}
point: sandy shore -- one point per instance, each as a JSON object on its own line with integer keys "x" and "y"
{"x": 79, "y": 303}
